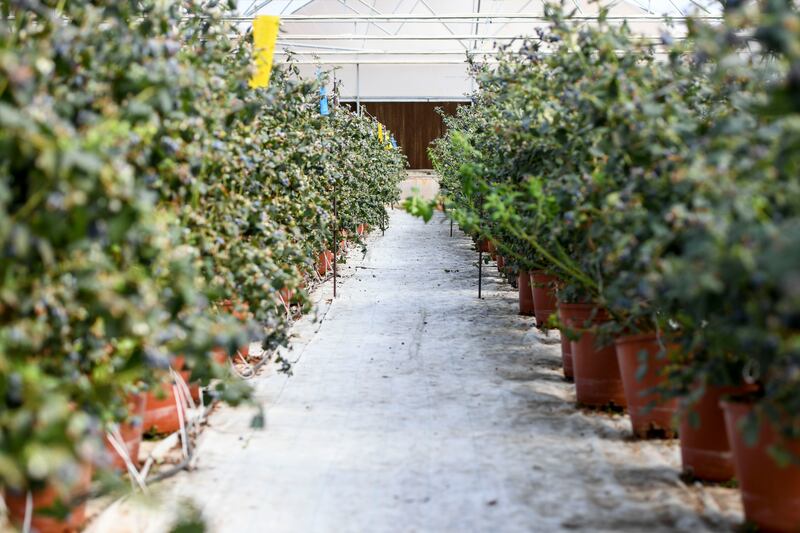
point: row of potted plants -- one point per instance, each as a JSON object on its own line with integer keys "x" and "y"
{"x": 155, "y": 214}
{"x": 650, "y": 197}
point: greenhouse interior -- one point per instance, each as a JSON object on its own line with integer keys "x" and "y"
{"x": 297, "y": 266}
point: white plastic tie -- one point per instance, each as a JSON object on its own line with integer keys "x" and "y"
{"x": 26, "y": 523}
{"x": 118, "y": 443}
{"x": 183, "y": 432}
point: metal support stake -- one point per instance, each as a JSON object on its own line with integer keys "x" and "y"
{"x": 480, "y": 253}
{"x": 358, "y": 89}
{"x": 451, "y": 227}
{"x": 480, "y": 269}
{"x": 335, "y": 239}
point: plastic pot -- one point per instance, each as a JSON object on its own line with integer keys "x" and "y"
{"x": 525, "y": 294}
{"x": 544, "y": 296}
{"x": 46, "y": 498}
{"x": 598, "y": 382}
{"x": 770, "y": 492}
{"x": 650, "y": 416}
{"x": 131, "y": 433}
{"x": 361, "y": 229}
{"x": 705, "y": 451}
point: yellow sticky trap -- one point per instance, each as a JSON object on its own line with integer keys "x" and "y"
{"x": 380, "y": 132}
{"x": 265, "y": 34}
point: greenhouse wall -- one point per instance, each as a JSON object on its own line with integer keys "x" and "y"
{"x": 414, "y": 124}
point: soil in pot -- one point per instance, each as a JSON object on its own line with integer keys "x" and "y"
{"x": 770, "y": 492}
{"x": 131, "y": 433}
{"x": 598, "y": 382}
{"x": 544, "y": 296}
{"x": 525, "y": 294}
{"x": 651, "y": 417}
{"x": 705, "y": 451}
{"x": 46, "y": 498}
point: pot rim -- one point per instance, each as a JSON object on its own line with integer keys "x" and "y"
{"x": 579, "y": 305}
{"x": 636, "y": 337}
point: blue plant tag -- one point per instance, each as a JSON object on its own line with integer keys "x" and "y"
{"x": 323, "y": 102}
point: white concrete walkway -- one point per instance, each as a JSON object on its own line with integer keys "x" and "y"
{"x": 416, "y": 407}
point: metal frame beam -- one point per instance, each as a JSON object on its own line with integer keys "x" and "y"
{"x": 321, "y": 37}
{"x": 354, "y": 10}
{"x": 463, "y": 53}
{"x": 468, "y": 18}
{"x": 357, "y": 37}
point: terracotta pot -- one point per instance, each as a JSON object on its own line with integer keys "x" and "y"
{"x": 544, "y": 296}
{"x": 566, "y": 357}
{"x": 287, "y": 295}
{"x": 525, "y": 293}
{"x": 770, "y": 493}
{"x": 325, "y": 263}
{"x": 178, "y": 364}
{"x": 46, "y": 498}
{"x": 482, "y": 245}
{"x": 650, "y": 417}
{"x": 596, "y": 370}
{"x": 131, "y": 433}
{"x": 492, "y": 250}
{"x": 222, "y": 357}
{"x": 161, "y": 415}
{"x": 705, "y": 451}
{"x": 240, "y": 313}
{"x": 501, "y": 263}
{"x": 361, "y": 229}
